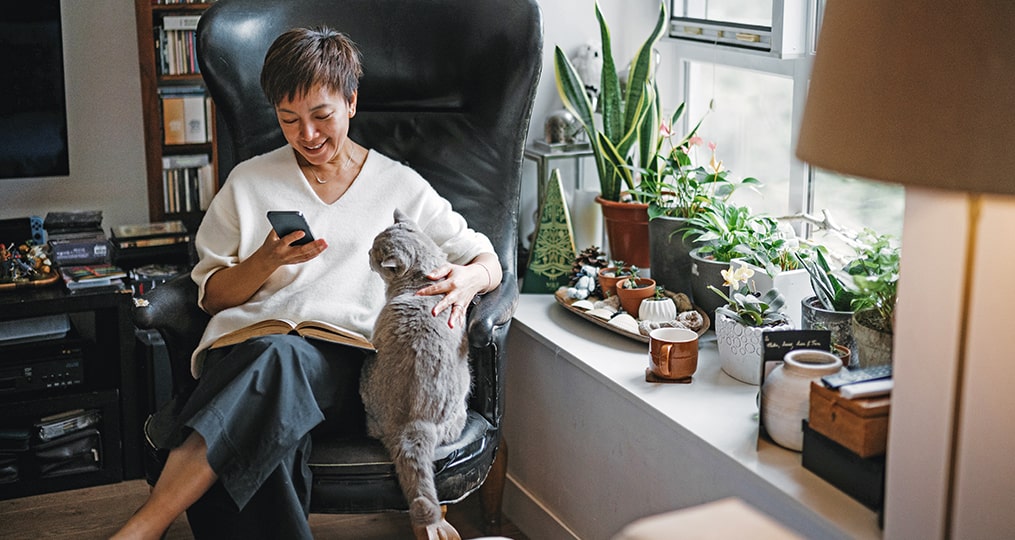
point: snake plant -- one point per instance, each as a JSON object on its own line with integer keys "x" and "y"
{"x": 630, "y": 117}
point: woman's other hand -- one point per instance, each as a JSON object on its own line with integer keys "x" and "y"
{"x": 460, "y": 284}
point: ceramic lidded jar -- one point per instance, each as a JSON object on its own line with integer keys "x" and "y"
{"x": 785, "y": 395}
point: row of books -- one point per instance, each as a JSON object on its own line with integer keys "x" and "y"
{"x": 186, "y": 115}
{"x": 176, "y": 45}
{"x": 188, "y": 182}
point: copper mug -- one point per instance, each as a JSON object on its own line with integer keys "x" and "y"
{"x": 673, "y": 353}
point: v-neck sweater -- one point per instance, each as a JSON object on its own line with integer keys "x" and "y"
{"x": 338, "y": 285}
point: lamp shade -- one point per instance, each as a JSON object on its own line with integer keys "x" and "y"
{"x": 916, "y": 92}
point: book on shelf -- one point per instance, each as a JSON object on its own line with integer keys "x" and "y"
{"x": 186, "y": 115}
{"x": 92, "y": 275}
{"x": 188, "y": 182}
{"x": 176, "y": 45}
{"x": 162, "y": 233}
{"x": 174, "y": 122}
{"x": 310, "y": 329}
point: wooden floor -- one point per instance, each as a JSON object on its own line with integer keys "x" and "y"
{"x": 97, "y": 512}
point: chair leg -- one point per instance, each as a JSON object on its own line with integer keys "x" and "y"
{"x": 491, "y": 493}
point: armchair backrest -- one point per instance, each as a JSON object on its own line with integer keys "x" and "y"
{"x": 448, "y": 87}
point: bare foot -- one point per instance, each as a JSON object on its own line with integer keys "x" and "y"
{"x": 439, "y": 530}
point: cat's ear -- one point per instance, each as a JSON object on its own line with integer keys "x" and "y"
{"x": 400, "y": 216}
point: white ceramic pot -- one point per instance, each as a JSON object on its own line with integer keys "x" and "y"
{"x": 657, "y": 310}
{"x": 793, "y": 285}
{"x": 785, "y": 396}
{"x": 741, "y": 348}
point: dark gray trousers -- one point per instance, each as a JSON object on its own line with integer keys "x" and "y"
{"x": 255, "y": 405}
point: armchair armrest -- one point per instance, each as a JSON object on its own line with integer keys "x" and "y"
{"x": 172, "y": 310}
{"x": 488, "y": 324}
{"x": 492, "y": 310}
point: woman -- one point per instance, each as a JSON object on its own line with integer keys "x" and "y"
{"x": 239, "y": 443}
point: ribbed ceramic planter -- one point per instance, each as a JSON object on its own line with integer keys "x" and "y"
{"x": 785, "y": 396}
{"x": 741, "y": 348}
{"x": 840, "y": 323}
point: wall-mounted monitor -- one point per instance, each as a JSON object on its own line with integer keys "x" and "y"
{"x": 33, "y": 104}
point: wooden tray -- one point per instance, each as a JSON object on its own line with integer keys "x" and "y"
{"x": 50, "y": 278}
{"x": 563, "y": 300}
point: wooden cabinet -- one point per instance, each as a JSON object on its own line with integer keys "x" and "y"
{"x": 181, "y": 170}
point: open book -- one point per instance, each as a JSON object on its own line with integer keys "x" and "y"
{"x": 310, "y": 329}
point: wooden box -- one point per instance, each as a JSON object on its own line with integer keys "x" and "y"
{"x": 861, "y": 425}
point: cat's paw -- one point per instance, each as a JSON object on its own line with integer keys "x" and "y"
{"x": 441, "y": 530}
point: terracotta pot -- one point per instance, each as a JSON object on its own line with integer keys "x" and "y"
{"x": 785, "y": 396}
{"x": 608, "y": 279}
{"x": 627, "y": 231}
{"x": 741, "y": 348}
{"x": 631, "y": 299}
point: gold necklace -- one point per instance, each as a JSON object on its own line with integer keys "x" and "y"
{"x": 313, "y": 170}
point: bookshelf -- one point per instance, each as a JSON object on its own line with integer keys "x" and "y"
{"x": 181, "y": 157}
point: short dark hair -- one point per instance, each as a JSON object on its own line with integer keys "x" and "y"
{"x": 301, "y": 58}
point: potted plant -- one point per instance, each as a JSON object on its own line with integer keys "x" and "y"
{"x": 659, "y": 307}
{"x": 740, "y": 322}
{"x": 611, "y": 275}
{"x": 680, "y": 191}
{"x": 724, "y": 232}
{"x": 875, "y": 281}
{"x": 633, "y": 289}
{"x": 629, "y": 121}
{"x": 831, "y": 305}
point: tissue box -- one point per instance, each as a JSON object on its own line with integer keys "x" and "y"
{"x": 860, "y": 425}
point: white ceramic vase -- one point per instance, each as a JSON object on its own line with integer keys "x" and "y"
{"x": 785, "y": 396}
{"x": 741, "y": 348}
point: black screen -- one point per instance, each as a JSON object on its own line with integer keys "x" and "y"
{"x": 33, "y": 106}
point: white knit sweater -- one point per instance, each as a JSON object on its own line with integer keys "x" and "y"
{"x": 338, "y": 286}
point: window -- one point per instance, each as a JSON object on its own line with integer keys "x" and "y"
{"x": 758, "y": 98}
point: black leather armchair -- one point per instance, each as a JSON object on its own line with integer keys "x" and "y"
{"x": 448, "y": 89}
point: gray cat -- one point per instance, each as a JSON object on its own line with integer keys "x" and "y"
{"x": 414, "y": 389}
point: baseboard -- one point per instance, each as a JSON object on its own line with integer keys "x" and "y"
{"x": 532, "y": 516}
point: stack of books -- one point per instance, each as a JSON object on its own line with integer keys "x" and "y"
{"x": 93, "y": 276}
{"x": 163, "y": 242}
{"x": 76, "y": 238}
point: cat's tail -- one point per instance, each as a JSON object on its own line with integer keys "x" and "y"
{"x": 413, "y": 454}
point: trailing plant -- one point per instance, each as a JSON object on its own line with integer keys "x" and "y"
{"x": 625, "y": 113}
{"x": 745, "y": 305}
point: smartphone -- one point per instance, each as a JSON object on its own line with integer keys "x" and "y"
{"x": 288, "y": 221}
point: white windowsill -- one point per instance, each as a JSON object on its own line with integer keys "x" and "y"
{"x": 715, "y": 407}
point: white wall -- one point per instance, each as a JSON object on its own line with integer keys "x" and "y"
{"x": 103, "y": 90}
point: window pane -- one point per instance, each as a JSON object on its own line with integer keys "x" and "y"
{"x": 757, "y": 12}
{"x": 856, "y": 204}
{"x": 750, "y": 125}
